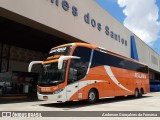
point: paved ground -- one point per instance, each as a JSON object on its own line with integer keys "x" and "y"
{"x": 149, "y": 102}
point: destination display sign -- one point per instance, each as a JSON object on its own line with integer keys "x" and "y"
{"x": 60, "y": 51}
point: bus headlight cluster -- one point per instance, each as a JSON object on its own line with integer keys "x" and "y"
{"x": 58, "y": 91}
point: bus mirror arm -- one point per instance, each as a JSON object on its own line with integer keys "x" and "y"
{"x": 62, "y": 58}
{"x": 32, "y": 63}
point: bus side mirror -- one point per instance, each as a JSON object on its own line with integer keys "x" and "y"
{"x": 62, "y": 58}
{"x": 32, "y": 63}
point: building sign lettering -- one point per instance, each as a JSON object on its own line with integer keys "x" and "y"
{"x": 91, "y": 21}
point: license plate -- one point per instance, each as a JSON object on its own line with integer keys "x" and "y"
{"x": 45, "y": 97}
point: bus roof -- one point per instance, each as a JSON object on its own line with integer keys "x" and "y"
{"x": 97, "y": 47}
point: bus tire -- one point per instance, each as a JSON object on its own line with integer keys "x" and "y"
{"x": 92, "y": 96}
{"x": 141, "y": 92}
{"x": 136, "y": 93}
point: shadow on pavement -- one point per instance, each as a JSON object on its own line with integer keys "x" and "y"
{"x": 75, "y": 104}
{"x": 17, "y": 99}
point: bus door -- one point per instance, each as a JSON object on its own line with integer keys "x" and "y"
{"x": 72, "y": 84}
{"x": 77, "y": 71}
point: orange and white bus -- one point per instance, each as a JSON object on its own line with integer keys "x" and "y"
{"x": 80, "y": 71}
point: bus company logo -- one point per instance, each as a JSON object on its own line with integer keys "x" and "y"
{"x": 58, "y": 50}
{"x": 45, "y": 89}
{"x": 61, "y": 49}
{"x": 139, "y": 75}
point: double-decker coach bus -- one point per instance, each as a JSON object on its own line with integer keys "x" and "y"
{"x": 81, "y": 71}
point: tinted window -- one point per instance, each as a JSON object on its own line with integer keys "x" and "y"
{"x": 78, "y": 67}
{"x": 51, "y": 75}
{"x": 100, "y": 58}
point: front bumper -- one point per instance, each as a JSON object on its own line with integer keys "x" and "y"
{"x": 52, "y": 97}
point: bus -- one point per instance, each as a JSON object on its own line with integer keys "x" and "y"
{"x": 154, "y": 85}
{"x": 81, "y": 71}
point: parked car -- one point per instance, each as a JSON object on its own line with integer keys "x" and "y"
{"x": 155, "y": 85}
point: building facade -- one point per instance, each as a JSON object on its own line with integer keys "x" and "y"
{"x": 74, "y": 21}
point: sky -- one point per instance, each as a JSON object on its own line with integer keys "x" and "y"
{"x": 142, "y": 17}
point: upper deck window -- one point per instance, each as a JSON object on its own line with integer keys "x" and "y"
{"x": 100, "y": 59}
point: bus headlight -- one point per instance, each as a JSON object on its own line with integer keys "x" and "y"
{"x": 58, "y": 91}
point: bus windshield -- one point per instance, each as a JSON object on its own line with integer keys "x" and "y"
{"x": 50, "y": 74}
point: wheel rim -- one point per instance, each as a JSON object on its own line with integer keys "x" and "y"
{"x": 92, "y": 96}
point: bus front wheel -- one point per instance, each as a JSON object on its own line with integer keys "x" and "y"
{"x": 92, "y": 96}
